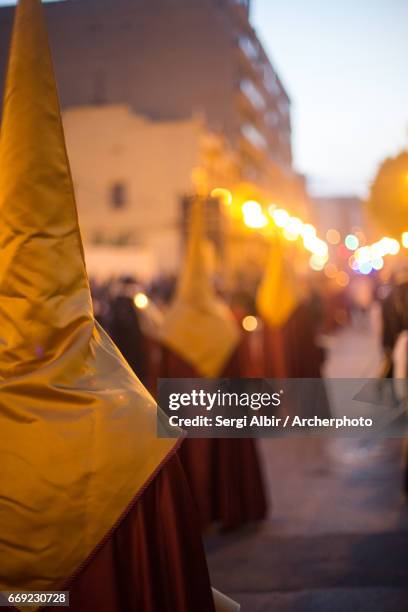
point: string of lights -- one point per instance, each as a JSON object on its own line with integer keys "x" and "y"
{"x": 361, "y": 258}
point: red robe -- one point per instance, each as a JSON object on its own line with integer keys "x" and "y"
{"x": 224, "y": 473}
{"x": 290, "y": 351}
{"x": 153, "y": 560}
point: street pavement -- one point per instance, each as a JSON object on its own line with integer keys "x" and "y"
{"x": 336, "y": 538}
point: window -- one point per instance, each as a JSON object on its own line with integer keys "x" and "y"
{"x": 118, "y": 195}
{"x": 248, "y": 47}
{"x": 254, "y": 136}
{"x": 272, "y": 118}
{"x": 252, "y": 93}
{"x": 270, "y": 80}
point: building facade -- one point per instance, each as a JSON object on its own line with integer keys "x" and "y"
{"x": 133, "y": 175}
{"x": 171, "y": 59}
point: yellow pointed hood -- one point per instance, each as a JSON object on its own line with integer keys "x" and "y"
{"x": 78, "y": 430}
{"x": 43, "y": 284}
{"x": 199, "y": 326}
{"x": 277, "y": 296}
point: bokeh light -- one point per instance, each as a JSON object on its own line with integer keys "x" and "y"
{"x": 141, "y": 300}
{"x": 330, "y": 270}
{"x": 222, "y": 194}
{"x": 308, "y": 231}
{"x": 342, "y": 279}
{"x": 250, "y": 323}
{"x": 333, "y": 236}
{"x": 317, "y": 263}
{"x": 351, "y": 242}
{"x": 294, "y": 226}
{"x": 365, "y": 267}
{"x": 253, "y": 215}
{"x": 280, "y": 217}
{"x": 378, "y": 263}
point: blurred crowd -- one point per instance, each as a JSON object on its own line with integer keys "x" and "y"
{"x": 132, "y": 311}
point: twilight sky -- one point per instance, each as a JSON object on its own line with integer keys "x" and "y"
{"x": 345, "y": 65}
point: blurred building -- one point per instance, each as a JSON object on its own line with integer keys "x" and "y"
{"x": 131, "y": 177}
{"x": 178, "y": 64}
{"x": 345, "y": 213}
{"x": 171, "y": 59}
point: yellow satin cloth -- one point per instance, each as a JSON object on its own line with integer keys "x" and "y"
{"x": 77, "y": 429}
{"x": 198, "y": 325}
{"x": 277, "y": 296}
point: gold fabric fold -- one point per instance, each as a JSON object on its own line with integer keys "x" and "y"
{"x": 78, "y": 437}
{"x": 277, "y": 296}
{"x": 198, "y": 325}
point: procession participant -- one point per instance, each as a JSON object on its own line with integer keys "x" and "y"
{"x": 91, "y": 499}
{"x": 305, "y": 356}
{"x": 200, "y": 338}
{"x": 125, "y": 329}
{"x": 290, "y": 326}
{"x": 395, "y": 344}
{"x": 134, "y": 327}
{"x": 290, "y": 348}
{"x": 276, "y": 301}
{"x": 395, "y": 321}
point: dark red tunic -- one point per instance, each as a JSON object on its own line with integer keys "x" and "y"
{"x": 304, "y": 358}
{"x": 275, "y": 359}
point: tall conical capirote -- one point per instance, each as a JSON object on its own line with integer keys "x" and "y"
{"x": 78, "y": 441}
{"x": 43, "y": 286}
{"x": 199, "y": 326}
